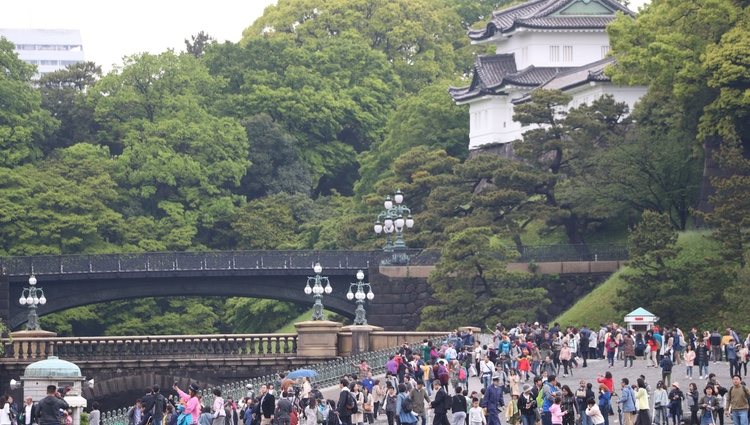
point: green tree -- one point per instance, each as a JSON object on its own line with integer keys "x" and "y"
{"x": 197, "y": 44}
{"x": 691, "y": 54}
{"x": 561, "y": 148}
{"x": 24, "y": 125}
{"x": 265, "y": 223}
{"x": 65, "y": 204}
{"x": 250, "y": 315}
{"x": 428, "y": 118}
{"x": 665, "y": 280}
{"x": 64, "y": 96}
{"x": 332, "y": 96}
{"x": 471, "y": 284}
{"x": 654, "y": 167}
{"x": 277, "y": 164}
{"x": 424, "y": 40}
{"x": 180, "y": 163}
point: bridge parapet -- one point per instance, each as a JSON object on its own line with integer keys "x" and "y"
{"x": 165, "y": 346}
{"x": 184, "y": 261}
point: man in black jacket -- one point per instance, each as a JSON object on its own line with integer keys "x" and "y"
{"x": 440, "y": 404}
{"x": 49, "y": 407}
{"x": 345, "y": 413}
{"x": 266, "y": 406}
{"x": 154, "y": 405}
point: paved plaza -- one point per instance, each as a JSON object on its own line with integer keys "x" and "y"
{"x": 600, "y": 367}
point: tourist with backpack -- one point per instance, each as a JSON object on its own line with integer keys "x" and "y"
{"x": 347, "y": 405}
{"x": 737, "y": 401}
{"x": 404, "y": 407}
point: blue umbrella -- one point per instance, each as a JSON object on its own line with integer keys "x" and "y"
{"x": 302, "y": 373}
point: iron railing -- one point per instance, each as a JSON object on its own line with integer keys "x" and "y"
{"x": 272, "y": 260}
{"x": 184, "y": 261}
{"x": 329, "y": 373}
{"x": 573, "y": 252}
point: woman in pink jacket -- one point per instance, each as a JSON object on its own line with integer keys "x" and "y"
{"x": 192, "y": 404}
{"x": 565, "y": 356}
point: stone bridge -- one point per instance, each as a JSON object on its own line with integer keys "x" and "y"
{"x": 400, "y": 291}
{"x": 124, "y": 366}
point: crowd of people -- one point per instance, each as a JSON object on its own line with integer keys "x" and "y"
{"x": 515, "y": 372}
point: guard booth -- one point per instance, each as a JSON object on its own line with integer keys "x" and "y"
{"x": 640, "y": 320}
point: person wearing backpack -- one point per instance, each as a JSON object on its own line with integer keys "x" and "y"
{"x": 737, "y": 401}
{"x": 404, "y": 407}
{"x": 346, "y": 405}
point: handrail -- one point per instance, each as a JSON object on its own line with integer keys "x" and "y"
{"x": 271, "y": 260}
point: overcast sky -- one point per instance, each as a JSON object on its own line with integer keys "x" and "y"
{"x": 113, "y": 29}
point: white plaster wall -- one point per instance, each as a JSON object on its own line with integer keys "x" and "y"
{"x": 491, "y": 121}
{"x": 533, "y": 47}
{"x": 590, "y": 92}
{"x": 492, "y": 116}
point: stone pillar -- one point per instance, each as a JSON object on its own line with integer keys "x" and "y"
{"x": 361, "y": 337}
{"x": 317, "y": 338}
{"x": 32, "y": 344}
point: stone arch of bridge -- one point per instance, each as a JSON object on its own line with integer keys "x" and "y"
{"x": 69, "y": 293}
{"x": 116, "y": 390}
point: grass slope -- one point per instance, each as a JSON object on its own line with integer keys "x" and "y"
{"x": 597, "y": 307}
{"x": 289, "y": 327}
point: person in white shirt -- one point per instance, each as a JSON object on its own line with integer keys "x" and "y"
{"x": 5, "y": 412}
{"x": 593, "y": 412}
{"x": 486, "y": 370}
{"x": 94, "y": 416}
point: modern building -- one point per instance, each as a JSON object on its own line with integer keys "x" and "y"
{"x": 550, "y": 44}
{"x": 49, "y": 50}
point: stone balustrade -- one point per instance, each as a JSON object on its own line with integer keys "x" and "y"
{"x": 172, "y": 346}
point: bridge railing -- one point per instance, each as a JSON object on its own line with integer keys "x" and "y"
{"x": 272, "y": 260}
{"x": 574, "y": 252}
{"x": 329, "y": 374}
{"x": 170, "y": 346}
{"x": 184, "y": 261}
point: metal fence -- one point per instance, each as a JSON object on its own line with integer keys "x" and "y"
{"x": 572, "y": 252}
{"x": 272, "y": 260}
{"x": 329, "y": 373}
{"x": 184, "y": 261}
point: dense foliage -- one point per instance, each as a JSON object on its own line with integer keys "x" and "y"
{"x": 290, "y": 138}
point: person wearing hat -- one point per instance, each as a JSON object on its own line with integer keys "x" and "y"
{"x": 527, "y": 405}
{"x": 493, "y": 401}
{"x": 192, "y": 404}
{"x": 675, "y": 403}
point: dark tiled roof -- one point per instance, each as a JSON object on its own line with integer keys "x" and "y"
{"x": 491, "y": 73}
{"x": 540, "y": 14}
{"x": 575, "y": 77}
{"x": 532, "y": 76}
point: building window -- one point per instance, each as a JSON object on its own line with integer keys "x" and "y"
{"x": 567, "y": 53}
{"x": 554, "y": 53}
{"x": 524, "y": 54}
{"x": 605, "y": 51}
{"x": 48, "y": 62}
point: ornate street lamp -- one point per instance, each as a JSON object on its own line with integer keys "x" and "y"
{"x": 395, "y": 217}
{"x": 317, "y": 289}
{"x": 360, "y": 315}
{"x": 32, "y": 296}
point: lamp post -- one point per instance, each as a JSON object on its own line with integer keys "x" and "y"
{"x": 32, "y": 296}
{"x": 360, "y": 315}
{"x": 317, "y": 289}
{"x": 395, "y": 217}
